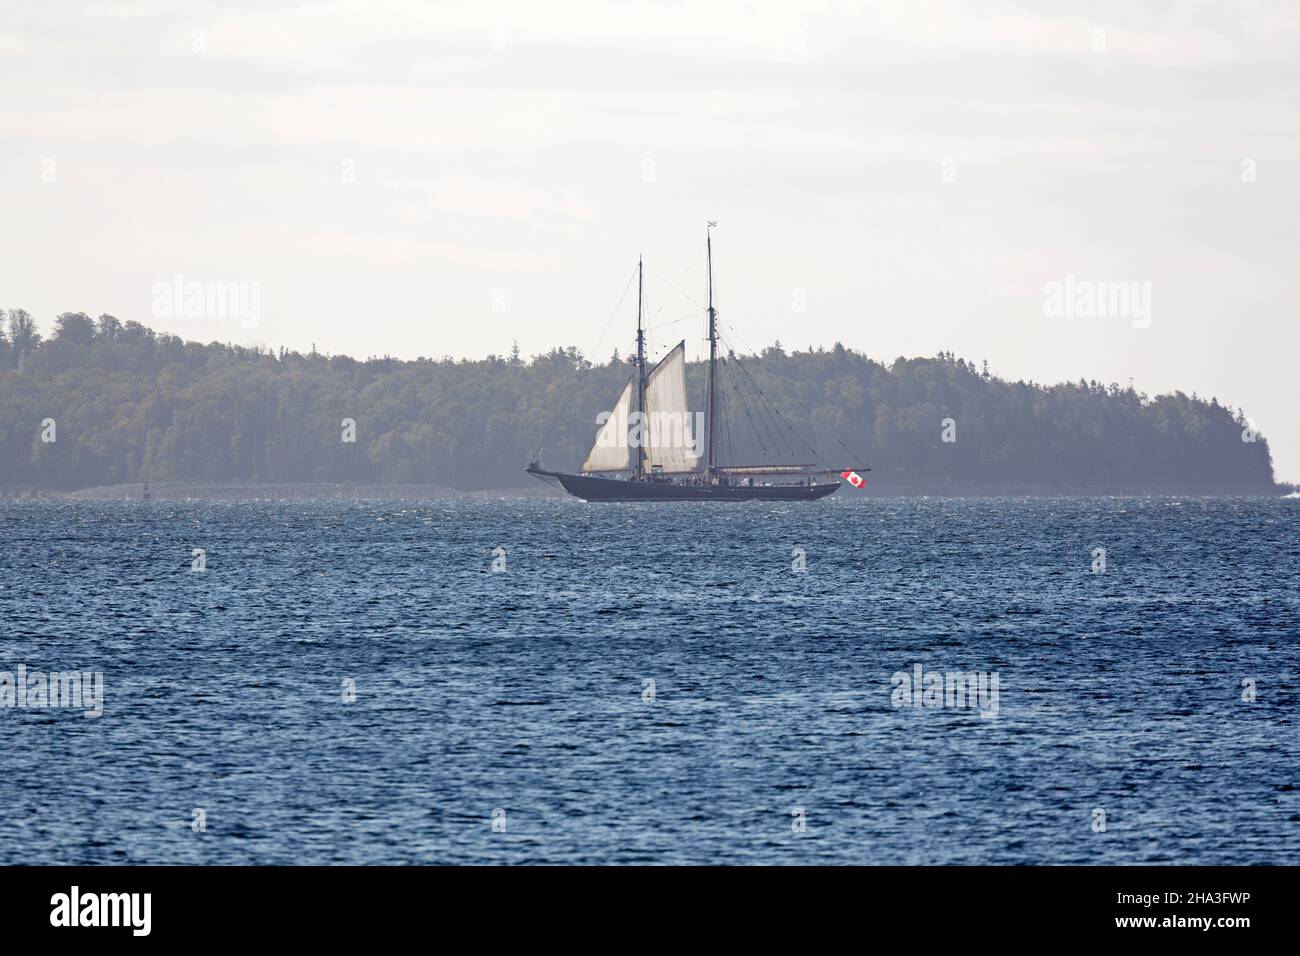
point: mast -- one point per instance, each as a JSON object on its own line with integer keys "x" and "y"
{"x": 640, "y": 369}
{"x": 709, "y": 430}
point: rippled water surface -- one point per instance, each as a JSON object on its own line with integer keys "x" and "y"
{"x": 526, "y": 691}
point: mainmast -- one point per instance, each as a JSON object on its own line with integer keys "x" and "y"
{"x": 709, "y": 430}
{"x": 640, "y": 369}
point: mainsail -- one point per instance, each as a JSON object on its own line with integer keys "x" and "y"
{"x": 667, "y": 430}
{"x": 611, "y": 451}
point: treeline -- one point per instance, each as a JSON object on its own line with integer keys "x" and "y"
{"x": 123, "y": 403}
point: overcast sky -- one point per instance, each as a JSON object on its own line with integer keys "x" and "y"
{"x": 444, "y": 179}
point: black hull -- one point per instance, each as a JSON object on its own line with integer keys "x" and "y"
{"x": 592, "y": 488}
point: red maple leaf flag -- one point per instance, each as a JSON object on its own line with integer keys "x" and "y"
{"x": 856, "y": 480}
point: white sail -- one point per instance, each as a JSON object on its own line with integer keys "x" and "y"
{"x": 611, "y": 451}
{"x": 669, "y": 435}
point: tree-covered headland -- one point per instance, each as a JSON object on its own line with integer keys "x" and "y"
{"x": 129, "y": 404}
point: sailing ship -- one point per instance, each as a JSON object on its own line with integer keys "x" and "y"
{"x": 647, "y": 450}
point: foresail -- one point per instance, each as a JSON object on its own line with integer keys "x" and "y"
{"x": 611, "y": 451}
{"x": 670, "y": 438}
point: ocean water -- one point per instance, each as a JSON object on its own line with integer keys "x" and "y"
{"x": 510, "y": 717}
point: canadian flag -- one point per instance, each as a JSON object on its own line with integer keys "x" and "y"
{"x": 856, "y": 480}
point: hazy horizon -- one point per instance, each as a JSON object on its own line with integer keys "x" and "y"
{"x": 445, "y": 180}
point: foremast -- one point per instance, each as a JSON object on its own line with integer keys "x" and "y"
{"x": 639, "y": 468}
